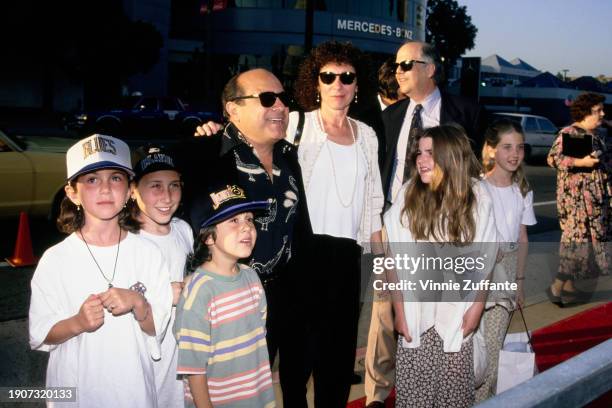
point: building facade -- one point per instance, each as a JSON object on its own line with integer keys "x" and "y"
{"x": 205, "y": 42}
{"x": 208, "y": 41}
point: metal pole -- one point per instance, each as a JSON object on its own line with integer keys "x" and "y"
{"x": 208, "y": 55}
{"x": 308, "y": 33}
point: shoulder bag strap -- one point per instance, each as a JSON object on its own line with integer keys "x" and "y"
{"x": 299, "y": 129}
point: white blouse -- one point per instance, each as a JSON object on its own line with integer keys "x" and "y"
{"x": 334, "y": 195}
{"x": 311, "y": 145}
{"x": 445, "y": 317}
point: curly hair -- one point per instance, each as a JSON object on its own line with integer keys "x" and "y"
{"x": 325, "y": 53}
{"x": 581, "y": 107}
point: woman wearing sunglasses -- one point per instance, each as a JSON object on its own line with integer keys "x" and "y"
{"x": 338, "y": 156}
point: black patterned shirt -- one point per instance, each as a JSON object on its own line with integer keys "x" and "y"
{"x": 274, "y": 229}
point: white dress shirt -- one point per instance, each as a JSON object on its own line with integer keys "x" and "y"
{"x": 430, "y": 117}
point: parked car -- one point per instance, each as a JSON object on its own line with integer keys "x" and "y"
{"x": 138, "y": 114}
{"x": 32, "y": 174}
{"x": 540, "y": 133}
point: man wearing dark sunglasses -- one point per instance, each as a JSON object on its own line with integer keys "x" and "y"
{"x": 419, "y": 71}
{"x": 250, "y": 151}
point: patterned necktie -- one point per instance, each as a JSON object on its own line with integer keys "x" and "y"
{"x": 416, "y": 126}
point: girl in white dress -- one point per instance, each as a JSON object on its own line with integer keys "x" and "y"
{"x": 157, "y": 191}
{"x": 101, "y": 295}
{"x": 502, "y": 158}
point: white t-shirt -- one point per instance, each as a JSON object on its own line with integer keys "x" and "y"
{"x": 175, "y": 247}
{"x": 112, "y": 366}
{"x": 511, "y": 210}
{"x": 334, "y": 176}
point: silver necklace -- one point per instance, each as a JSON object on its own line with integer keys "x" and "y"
{"x": 331, "y": 158}
{"x": 110, "y": 281}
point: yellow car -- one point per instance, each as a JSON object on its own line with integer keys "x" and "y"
{"x": 32, "y": 174}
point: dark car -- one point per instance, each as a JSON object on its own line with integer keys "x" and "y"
{"x": 136, "y": 115}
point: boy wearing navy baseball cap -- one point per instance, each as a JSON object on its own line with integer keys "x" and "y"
{"x": 224, "y": 304}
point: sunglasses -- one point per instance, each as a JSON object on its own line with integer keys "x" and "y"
{"x": 406, "y": 65}
{"x": 267, "y": 99}
{"x": 346, "y": 78}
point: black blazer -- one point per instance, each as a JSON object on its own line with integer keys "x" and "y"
{"x": 453, "y": 109}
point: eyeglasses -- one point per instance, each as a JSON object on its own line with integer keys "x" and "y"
{"x": 267, "y": 99}
{"x": 346, "y": 78}
{"x": 406, "y": 65}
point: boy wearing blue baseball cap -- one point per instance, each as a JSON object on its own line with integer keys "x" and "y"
{"x": 220, "y": 319}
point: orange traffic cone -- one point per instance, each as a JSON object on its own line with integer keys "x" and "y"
{"x": 23, "y": 255}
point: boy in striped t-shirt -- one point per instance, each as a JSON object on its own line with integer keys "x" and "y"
{"x": 220, "y": 318}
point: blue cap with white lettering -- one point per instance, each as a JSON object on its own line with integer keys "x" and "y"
{"x": 156, "y": 160}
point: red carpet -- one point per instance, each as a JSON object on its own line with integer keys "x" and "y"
{"x": 360, "y": 403}
{"x": 565, "y": 339}
{"x": 562, "y": 340}
{"x": 558, "y": 342}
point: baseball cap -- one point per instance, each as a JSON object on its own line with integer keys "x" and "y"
{"x": 220, "y": 205}
{"x": 97, "y": 152}
{"x": 157, "y": 159}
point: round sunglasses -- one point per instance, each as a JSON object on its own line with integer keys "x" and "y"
{"x": 266, "y": 99}
{"x": 406, "y": 65}
{"x": 346, "y": 78}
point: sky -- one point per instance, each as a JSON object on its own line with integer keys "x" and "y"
{"x": 550, "y": 35}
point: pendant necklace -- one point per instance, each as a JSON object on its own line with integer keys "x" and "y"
{"x": 331, "y": 158}
{"x": 110, "y": 281}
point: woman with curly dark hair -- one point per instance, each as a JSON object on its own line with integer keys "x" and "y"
{"x": 583, "y": 197}
{"x": 339, "y": 160}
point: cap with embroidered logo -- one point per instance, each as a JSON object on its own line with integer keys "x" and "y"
{"x": 98, "y": 152}
{"x": 157, "y": 159}
{"x": 220, "y": 205}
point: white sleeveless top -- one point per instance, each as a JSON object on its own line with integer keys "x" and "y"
{"x": 331, "y": 189}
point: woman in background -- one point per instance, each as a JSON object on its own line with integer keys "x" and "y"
{"x": 583, "y": 201}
